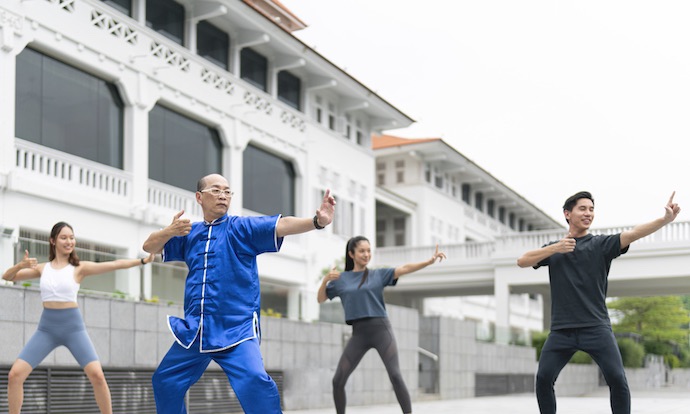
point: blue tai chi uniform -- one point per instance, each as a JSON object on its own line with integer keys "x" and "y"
{"x": 221, "y": 313}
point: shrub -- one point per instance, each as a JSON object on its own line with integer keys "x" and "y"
{"x": 538, "y": 339}
{"x": 581, "y": 357}
{"x": 657, "y": 347}
{"x": 632, "y": 353}
{"x": 671, "y": 361}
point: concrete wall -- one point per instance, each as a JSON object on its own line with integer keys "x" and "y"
{"x": 125, "y": 333}
{"x": 134, "y": 335}
{"x": 461, "y": 357}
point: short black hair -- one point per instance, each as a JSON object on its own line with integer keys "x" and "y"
{"x": 572, "y": 200}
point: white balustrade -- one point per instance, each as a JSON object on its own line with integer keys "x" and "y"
{"x": 70, "y": 170}
{"x": 673, "y": 233}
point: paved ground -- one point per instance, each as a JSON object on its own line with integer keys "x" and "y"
{"x": 657, "y": 402}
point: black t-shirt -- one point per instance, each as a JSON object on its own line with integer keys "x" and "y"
{"x": 579, "y": 281}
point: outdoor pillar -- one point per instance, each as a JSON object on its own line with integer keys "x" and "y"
{"x": 502, "y": 296}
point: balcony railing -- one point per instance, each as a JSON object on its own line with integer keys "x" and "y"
{"x": 172, "y": 198}
{"x": 676, "y": 232}
{"x": 69, "y": 172}
{"x": 72, "y": 171}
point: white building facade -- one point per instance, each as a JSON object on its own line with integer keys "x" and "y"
{"x": 112, "y": 110}
{"x": 428, "y": 193}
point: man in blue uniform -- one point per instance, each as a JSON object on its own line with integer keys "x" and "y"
{"x": 578, "y": 273}
{"x": 222, "y": 296}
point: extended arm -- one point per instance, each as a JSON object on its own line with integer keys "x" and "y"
{"x": 295, "y": 225}
{"x": 96, "y": 268}
{"x": 156, "y": 240}
{"x": 28, "y": 268}
{"x": 533, "y": 257}
{"x": 413, "y": 267}
{"x": 641, "y": 230}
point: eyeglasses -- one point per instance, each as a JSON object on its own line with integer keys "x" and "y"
{"x": 216, "y": 192}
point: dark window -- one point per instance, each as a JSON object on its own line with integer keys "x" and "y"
{"x": 124, "y": 6}
{"x": 479, "y": 201}
{"x": 167, "y": 18}
{"x": 466, "y": 189}
{"x": 289, "y": 89}
{"x": 268, "y": 183}
{"x": 66, "y": 109}
{"x": 254, "y": 68}
{"x": 511, "y": 220}
{"x": 331, "y": 122}
{"x": 399, "y": 230}
{"x": 502, "y": 215}
{"x": 181, "y": 150}
{"x": 491, "y": 207}
{"x": 380, "y": 233}
{"x": 212, "y": 44}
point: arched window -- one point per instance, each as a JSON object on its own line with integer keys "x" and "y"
{"x": 268, "y": 183}
{"x": 67, "y": 109}
{"x": 181, "y": 150}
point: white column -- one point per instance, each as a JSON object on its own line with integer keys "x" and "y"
{"x": 293, "y": 303}
{"x": 129, "y": 280}
{"x": 12, "y": 27}
{"x": 502, "y": 295}
{"x": 139, "y": 101}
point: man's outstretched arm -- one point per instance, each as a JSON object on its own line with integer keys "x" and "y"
{"x": 641, "y": 230}
{"x": 295, "y": 225}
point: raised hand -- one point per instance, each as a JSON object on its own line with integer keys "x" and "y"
{"x": 324, "y": 215}
{"x": 28, "y": 262}
{"x": 151, "y": 257}
{"x": 333, "y": 274}
{"x": 180, "y": 226}
{"x": 438, "y": 256}
{"x": 566, "y": 244}
{"x": 672, "y": 209}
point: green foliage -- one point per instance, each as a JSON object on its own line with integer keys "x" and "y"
{"x": 538, "y": 339}
{"x": 672, "y": 361}
{"x": 581, "y": 357}
{"x": 661, "y": 318}
{"x": 118, "y": 294}
{"x": 632, "y": 353}
{"x": 272, "y": 313}
{"x": 658, "y": 347}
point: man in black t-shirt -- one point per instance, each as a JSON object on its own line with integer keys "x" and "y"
{"x": 578, "y": 273}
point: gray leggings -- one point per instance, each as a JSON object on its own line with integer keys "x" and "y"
{"x": 366, "y": 334}
{"x": 59, "y": 327}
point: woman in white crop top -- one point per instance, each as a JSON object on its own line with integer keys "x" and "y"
{"x": 61, "y": 322}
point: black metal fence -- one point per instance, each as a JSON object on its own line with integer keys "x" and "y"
{"x": 66, "y": 390}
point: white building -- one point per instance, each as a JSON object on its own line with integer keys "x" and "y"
{"x": 112, "y": 110}
{"x": 428, "y": 193}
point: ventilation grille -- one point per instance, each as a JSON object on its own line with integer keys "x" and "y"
{"x": 55, "y": 390}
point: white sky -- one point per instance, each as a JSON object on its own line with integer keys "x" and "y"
{"x": 550, "y": 97}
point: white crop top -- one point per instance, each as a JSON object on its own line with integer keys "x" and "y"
{"x": 58, "y": 285}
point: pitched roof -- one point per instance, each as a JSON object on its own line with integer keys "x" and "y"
{"x": 385, "y": 141}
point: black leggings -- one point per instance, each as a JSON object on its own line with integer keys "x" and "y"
{"x": 366, "y": 334}
{"x": 597, "y": 341}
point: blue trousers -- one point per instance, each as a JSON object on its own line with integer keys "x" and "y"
{"x": 600, "y": 343}
{"x": 181, "y": 368}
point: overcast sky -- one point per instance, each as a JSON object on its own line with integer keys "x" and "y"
{"x": 550, "y": 97}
